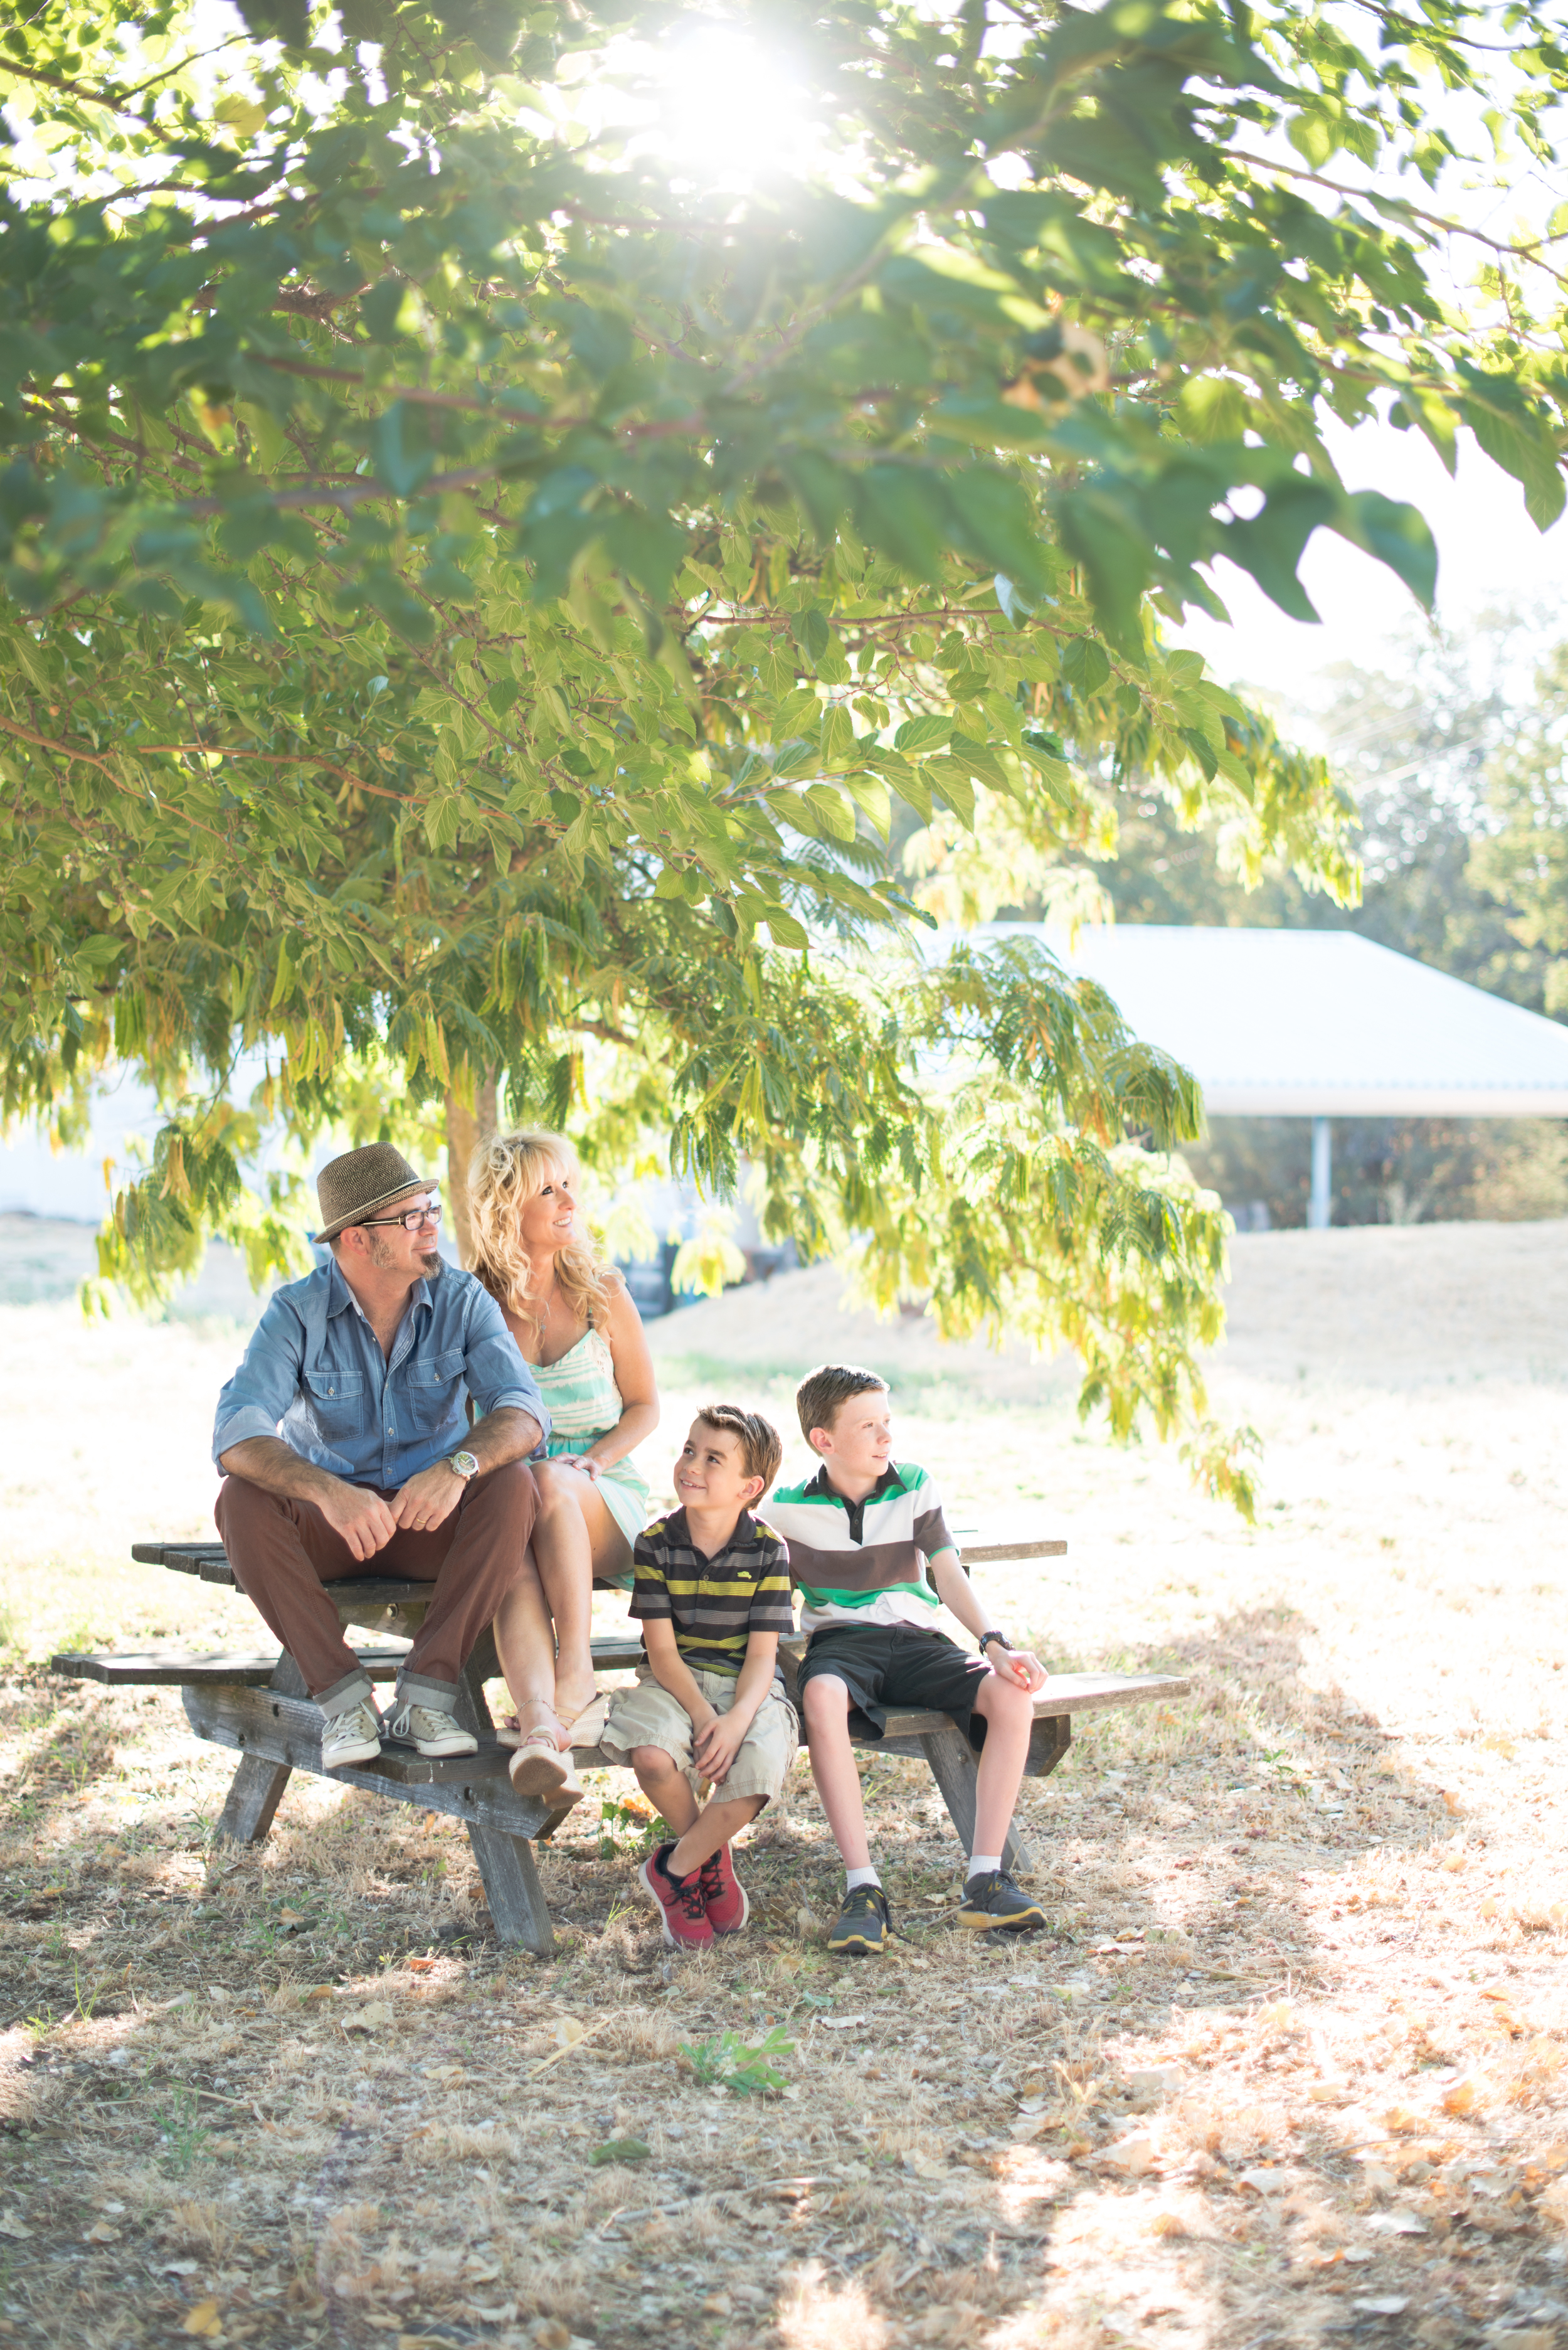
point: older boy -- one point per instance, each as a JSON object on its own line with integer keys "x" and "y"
{"x": 864, "y": 1534}
{"x": 712, "y": 1593}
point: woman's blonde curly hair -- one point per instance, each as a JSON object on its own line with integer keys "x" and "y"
{"x": 505, "y": 1171}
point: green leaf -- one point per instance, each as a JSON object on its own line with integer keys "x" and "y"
{"x": 786, "y": 932}
{"x": 837, "y": 735}
{"x": 1398, "y": 534}
{"x": 871, "y": 794}
{"x": 917, "y": 735}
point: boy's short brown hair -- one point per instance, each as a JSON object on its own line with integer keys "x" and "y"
{"x": 823, "y": 1393}
{"x": 762, "y": 1445}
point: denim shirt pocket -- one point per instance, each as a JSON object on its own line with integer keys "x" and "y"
{"x": 435, "y": 1387}
{"x": 337, "y": 1401}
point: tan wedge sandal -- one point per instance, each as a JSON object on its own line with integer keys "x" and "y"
{"x": 539, "y": 1768}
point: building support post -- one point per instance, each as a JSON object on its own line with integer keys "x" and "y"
{"x": 1320, "y": 1206}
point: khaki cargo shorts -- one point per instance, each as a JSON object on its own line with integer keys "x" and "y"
{"x": 648, "y": 1716}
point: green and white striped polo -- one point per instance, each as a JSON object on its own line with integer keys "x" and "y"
{"x": 863, "y": 1562}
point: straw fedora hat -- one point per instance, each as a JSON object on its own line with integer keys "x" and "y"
{"x": 351, "y": 1187}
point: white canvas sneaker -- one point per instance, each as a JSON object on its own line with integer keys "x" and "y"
{"x": 431, "y": 1732}
{"x": 351, "y": 1737}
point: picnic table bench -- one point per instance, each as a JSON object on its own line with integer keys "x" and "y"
{"x": 256, "y": 1702}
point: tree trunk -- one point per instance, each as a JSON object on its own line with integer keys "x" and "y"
{"x": 466, "y": 1131}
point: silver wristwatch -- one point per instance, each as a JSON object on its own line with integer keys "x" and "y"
{"x": 463, "y": 1464}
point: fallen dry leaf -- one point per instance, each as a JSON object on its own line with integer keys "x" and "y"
{"x": 101, "y": 2233}
{"x": 291, "y": 1916}
{"x": 11, "y": 2224}
{"x": 374, "y": 2016}
{"x": 1460, "y": 2098}
{"x": 421, "y": 1966}
{"x": 206, "y": 2319}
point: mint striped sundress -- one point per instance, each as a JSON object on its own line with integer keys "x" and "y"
{"x": 584, "y": 1402}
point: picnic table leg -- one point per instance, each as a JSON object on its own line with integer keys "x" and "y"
{"x": 507, "y": 1862}
{"x": 953, "y": 1768}
{"x": 512, "y": 1890}
{"x": 257, "y": 1788}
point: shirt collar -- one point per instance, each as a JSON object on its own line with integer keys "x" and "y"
{"x": 745, "y": 1536}
{"x": 340, "y": 1297}
{"x": 822, "y": 1483}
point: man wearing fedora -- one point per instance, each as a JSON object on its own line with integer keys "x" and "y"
{"x": 344, "y": 1441}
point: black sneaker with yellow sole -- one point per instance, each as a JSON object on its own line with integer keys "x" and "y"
{"x": 993, "y": 1903}
{"x": 862, "y": 1924}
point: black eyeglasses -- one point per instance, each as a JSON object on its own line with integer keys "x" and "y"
{"x": 411, "y": 1219}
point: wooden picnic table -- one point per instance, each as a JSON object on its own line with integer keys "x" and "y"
{"x": 256, "y": 1702}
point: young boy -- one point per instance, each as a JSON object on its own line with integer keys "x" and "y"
{"x": 864, "y": 1534}
{"x": 713, "y": 1594}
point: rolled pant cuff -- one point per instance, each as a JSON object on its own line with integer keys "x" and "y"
{"x": 414, "y": 1688}
{"x": 345, "y": 1695}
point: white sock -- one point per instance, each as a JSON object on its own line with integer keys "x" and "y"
{"x": 862, "y": 1877}
{"x": 980, "y": 1862}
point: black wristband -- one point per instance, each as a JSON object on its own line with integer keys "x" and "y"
{"x": 986, "y": 1637}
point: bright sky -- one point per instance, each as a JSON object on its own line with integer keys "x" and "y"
{"x": 1490, "y": 552}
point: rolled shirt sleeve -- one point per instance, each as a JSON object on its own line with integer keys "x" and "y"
{"x": 496, "y": 1374}
{"x": 255, "y": 1399}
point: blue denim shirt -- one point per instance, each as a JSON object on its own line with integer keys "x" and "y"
{"x": 315, "y": 1375}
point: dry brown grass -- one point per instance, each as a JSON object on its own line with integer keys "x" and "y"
{"x": 1292, "y": 2063}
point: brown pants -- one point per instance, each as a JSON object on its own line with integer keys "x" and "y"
{"x": 282, "y": 1551}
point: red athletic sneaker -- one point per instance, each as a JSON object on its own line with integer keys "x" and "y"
{"x": 682, "y": 1912}
{"x": 724, "y": 1894}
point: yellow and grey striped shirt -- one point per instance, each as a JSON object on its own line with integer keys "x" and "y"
{"x": 715, "y": 1604}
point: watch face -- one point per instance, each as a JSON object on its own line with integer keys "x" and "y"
{"x": 464, "y": 1464}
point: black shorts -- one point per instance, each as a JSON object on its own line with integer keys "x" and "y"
{"x": 898, "y": 1665}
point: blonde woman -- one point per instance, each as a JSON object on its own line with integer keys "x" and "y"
{"x": 575, "y": 1322}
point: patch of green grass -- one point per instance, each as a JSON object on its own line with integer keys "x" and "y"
{"x": 728, "y": 2062}
{"x": 629, "y": 1829}
{"x": 181, "y": 2128}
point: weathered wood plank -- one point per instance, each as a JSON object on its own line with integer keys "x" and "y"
{"x": 258, "y": 1786}
{"x": 207, "y": 1558}
{"x": 289, "y": 1730}
{"x": 1066, "y": 1693}
{"x": 511, "y": 1887}
{"x": 1024, "y": 1547}
{"x": 251, "y": 1805}
{"x": 173, "y": 1668}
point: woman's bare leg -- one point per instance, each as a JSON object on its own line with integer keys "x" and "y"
{"x": 575, "y": 1537}
{"x": 526, "y": 1644}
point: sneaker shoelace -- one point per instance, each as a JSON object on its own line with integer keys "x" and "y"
{"x": 712, "y": 1875}
{"x": 402, "y": 1720}
{"x": 688, "y": 1891}
{"x": 360, "y": 1723}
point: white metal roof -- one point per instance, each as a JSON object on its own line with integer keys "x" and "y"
{"x": 1320, "y": 1024}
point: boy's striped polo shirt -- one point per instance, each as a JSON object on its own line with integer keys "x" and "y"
{"x": 863, "y": 1562}
{"x": 715, "y": 1604}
